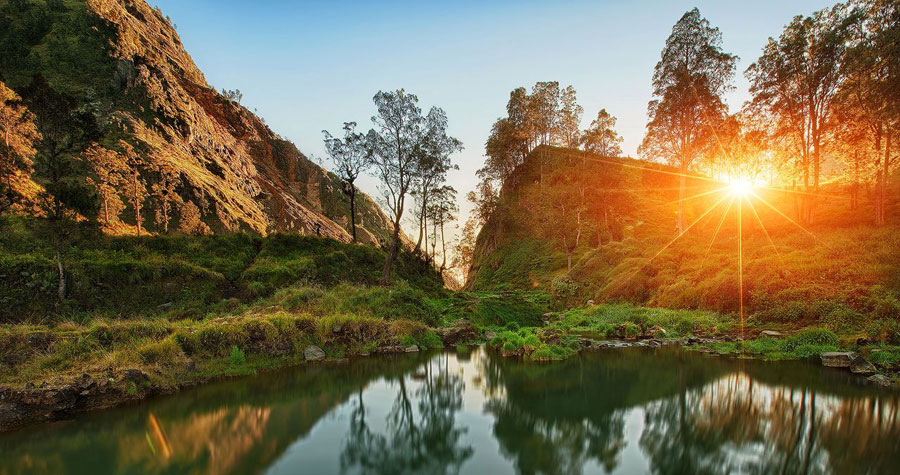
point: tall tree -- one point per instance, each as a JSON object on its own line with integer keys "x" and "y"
{"x": 443, "y": 210}
{"x": 110, "y": 171}
{"x": 398, "y": 143}
{"x": 568, "y": 121}
{"x": 601, "y": 138}
{"x": 464, "y": 250}
{"x": 868, "y": 95}
{"x": 19, "y": 136}
{"x": 164, "y": 191}
{"x": 432, "y": 168}
{"x": 133, "y": 185}
{"x": 795, "y": 82}
{"x": 689, "y": 82}
{"x": 350, "y": 158}
{"x": 67, "y": 196}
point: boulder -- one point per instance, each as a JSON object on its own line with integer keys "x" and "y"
{"x": 655, "y": 333}
{"x": 461, "y": 332}
{"x": 838, "y": 359}
{"x": 490, "y": 335}
{"x": 861, "y": 366}
{"x": 411, "y": 349}
{"x": 590, "y": 303}
{"x": 770, "y": 334}
{"x": 337, "y": 329}
{"x": 313, "y": 353}
{"x": 880, "y": 380}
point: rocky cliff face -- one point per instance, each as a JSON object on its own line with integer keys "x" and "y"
{"x": 124, "y": 61}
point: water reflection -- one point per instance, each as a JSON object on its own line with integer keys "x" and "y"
{"x": 624, "y": 411}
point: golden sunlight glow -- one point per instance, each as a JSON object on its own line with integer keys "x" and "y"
{"x": 740, "y": 187}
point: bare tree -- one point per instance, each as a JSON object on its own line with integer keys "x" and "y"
{"x": 350, "y": 158}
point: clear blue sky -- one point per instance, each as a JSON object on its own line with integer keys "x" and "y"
{"x": 308, "y": 66}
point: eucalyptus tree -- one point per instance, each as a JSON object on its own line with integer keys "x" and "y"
{"x": 443, "y": 210}
{"x": 350, "y": 157}
{"x": 868, "y": 100}
{"x": 795, "y": 82}
{"x": 601, "y": 138}
{"x": 433, "y": 165}
{"x": 568, "y": 120}
{"x": 689, "y": 82}
{"x": 399, "y": 144}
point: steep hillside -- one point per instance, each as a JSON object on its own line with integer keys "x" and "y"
{"x": 124, "y": 62}
{"x": 626, "y": 248}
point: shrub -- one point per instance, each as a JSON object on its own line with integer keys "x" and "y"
{"x": 237, "y": 357}
{"x": 811, "y": 337}
{"x": 886, "y": 331}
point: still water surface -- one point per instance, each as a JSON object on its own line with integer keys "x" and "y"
{"x": 616, "y": 411}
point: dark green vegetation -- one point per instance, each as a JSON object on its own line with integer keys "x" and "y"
{"x": 480, "y": 413}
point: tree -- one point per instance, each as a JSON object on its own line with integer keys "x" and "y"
{"x": 868, "y": 95}
{"x": 164, "y": 191}
{"x": 191, "y": 221}
{"x": 432, "y": 168}
{"x": 464, "y": 250}
{"x": 601, "y": 138}
{"x": 350, "y": 158}
{"x": 443, "y": 209}
{"x": 17, "y": 148}
{"x": 110, "y": 171}
{"x": 133, "y": 185}
{"x": 568, "y": 121}
{"x": 67, "y": 196}
{"x": 398, "y": 144}
{"x": 795, "y": 82}
{"x": 234, "y": 95}
{"x": 688, "y": 84}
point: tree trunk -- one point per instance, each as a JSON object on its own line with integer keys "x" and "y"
{"x": 392, "y": 253}
{"x": 61, "y": 274}
{"x": 568, "y": 260}
{"x": 165, "y": 210}
{"x": 353, "y": 211}
{"x": 443, "y": 249}
{"x": 682, "y": 189}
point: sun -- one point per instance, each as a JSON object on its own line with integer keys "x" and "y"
{"x": 740, "y": 187}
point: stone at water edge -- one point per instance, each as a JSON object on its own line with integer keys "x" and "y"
{"x": 313, "y": 353}
{"x": 490, "y": 335}
{"x": 880, "y": 380}
{"x": 411, "y": 349}
{"x": 770, "y": 334}
{"x": 838, "y": 359}
{"x": 861, "y": 366}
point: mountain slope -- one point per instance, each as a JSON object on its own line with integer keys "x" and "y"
{"x": 124, "y": 61}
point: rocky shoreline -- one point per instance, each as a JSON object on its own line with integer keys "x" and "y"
{"x": 61, "y": 398}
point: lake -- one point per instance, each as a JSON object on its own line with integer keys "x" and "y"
{"x": 635, "y": 410}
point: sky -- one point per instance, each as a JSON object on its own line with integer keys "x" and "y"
{"x": 309, "y": 66}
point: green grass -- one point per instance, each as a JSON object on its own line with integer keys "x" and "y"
{"x": 806, "y": 344}
{"x": 534, "y": 345}
{"x": 605, "y": 319}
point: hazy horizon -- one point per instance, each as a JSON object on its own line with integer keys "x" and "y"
{"x": 308, "y": 67}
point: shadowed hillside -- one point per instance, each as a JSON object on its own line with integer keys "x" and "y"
{"x": 123, "y": 63}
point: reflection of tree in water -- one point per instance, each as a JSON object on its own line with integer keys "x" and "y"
{"x": 417, "y": 441}
{"x": 536, "y": 432}
{"x": 736, "y": 424}
{"x": 556, "y": 446}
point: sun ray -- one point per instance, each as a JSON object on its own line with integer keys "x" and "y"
{"x": 795, "y": 223}
{"x": 682, "y": 233}
{"x": 688, "y": 198}
{"x": 715, "y": 234}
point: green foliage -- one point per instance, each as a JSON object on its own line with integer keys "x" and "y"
{"x": 194, "y": 276}
{"x": 237, "y": 357}
{"x": 808, "y": 343}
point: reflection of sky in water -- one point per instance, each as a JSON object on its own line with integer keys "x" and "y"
{"x": 621, "y": 411}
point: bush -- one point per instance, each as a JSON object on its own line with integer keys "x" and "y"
{"x": 237, "y": 357}
{"x": 885, "y": 331}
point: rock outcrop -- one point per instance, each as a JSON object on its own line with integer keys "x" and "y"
{"x": 124, "y": 61}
